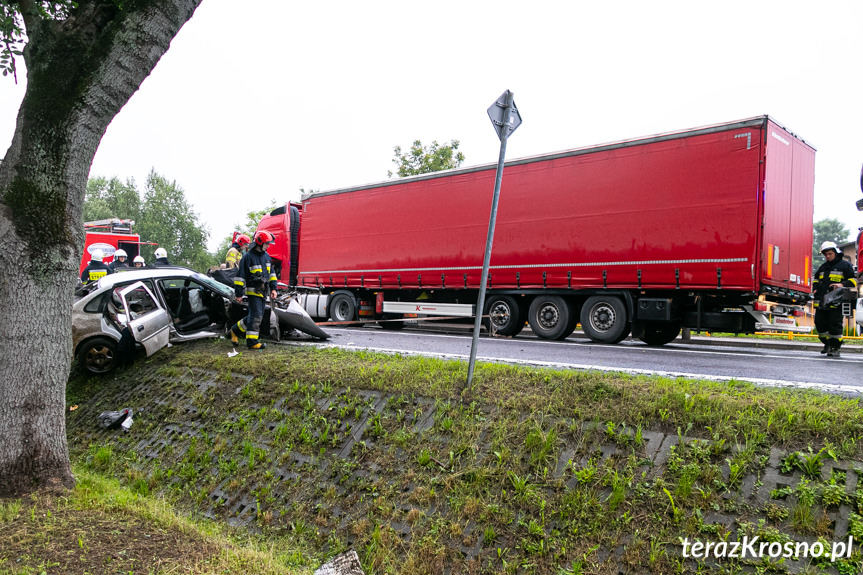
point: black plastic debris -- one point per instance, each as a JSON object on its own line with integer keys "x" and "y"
{"x": 116, "y": 419}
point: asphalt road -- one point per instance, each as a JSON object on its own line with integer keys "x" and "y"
{"x": 762, "y": 362}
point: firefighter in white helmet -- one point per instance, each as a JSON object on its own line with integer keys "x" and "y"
{"x": 119, "y": 260}
{"x": 96, "y": 268}
{"x": 138, "y": 262}
{"x": 833, "y": 274}
{"x": 161, "y": 258}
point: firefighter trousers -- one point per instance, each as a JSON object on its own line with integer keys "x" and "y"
{"x": 828, "y": 324}
{"x": 251, "y": 324}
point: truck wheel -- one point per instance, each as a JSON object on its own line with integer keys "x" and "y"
{"x": 659, "y": 334}
{"x": 343, "y": 306}
{"x": 603, "y": 319}
{"x": 98, "y": 356}
{"x": 550, "y": 317}
{"x": 504, "y": 314}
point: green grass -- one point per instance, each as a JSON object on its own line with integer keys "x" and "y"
{"x": 532, "y": 471}
{"x": 104, "y": 526}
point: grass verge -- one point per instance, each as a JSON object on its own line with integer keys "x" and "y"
{"x": 313, "y": 452}
{"x": 103, "y": 527}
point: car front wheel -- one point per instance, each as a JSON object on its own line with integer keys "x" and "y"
{"x": 98, "y": 356}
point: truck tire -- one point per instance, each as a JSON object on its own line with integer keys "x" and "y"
{"x": 550, "y": 317}
{"x": 343, "y": 306}
{"x": 659, "y": 334}
{"x": 98, "y": 356}
{"x": 603, "y": 319}
{"x": 504, "y": 314}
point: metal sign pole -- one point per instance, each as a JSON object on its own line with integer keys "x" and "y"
{"x": 504, "y": 115}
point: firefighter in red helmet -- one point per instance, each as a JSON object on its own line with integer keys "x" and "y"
{"x": 238, "y": 248}
{"x": 256, "y": 279}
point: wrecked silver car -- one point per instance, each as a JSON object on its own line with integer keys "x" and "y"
{"x": 147, "y": 308}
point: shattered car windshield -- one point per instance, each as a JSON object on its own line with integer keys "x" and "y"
{"x": 214, "y": 285}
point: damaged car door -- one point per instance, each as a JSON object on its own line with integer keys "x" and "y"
{"x": 147, "y": 321}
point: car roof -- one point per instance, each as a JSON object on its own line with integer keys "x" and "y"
{"x": 144, "y": 274}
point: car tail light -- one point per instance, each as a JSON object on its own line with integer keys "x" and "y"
{"x": 798, "y": 312}
{"x": 760, "y": 306}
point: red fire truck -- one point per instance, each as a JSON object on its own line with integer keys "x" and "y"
{"x": 708, "y": 229}
{"x": 109, "y": 236}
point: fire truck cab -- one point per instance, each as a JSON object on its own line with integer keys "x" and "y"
{"x": 109, "y": 236}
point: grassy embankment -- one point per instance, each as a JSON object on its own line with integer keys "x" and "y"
{"x": 308, "y": 453}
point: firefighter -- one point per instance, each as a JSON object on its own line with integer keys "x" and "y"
{"x": 161, "y": 258}
{"x": 138, "y": 262}
{"x": 238, "y": 248}
{"x": 96, "y": 268}
{"x": 254, "y": 276}
{"x": 833, "y": 274}
{"x": 119, "y": 261}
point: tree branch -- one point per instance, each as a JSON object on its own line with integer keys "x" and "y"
{"x": 30, "y": 15}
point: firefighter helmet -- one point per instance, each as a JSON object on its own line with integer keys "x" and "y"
{"x": 829, "y": 246}
{"x": 263, "y": 237}
{"x": 243, "y": 240}
{"x": 97, "y": 255}
{"x": 138, "y": 260}
{"x": 120, "y": 254}
{"x": 161, "y": 253}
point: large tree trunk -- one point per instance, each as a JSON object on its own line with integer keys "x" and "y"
{"x": 80, "y": 72}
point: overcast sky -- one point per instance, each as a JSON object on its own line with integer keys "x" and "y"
{"x": 252, "y": 103}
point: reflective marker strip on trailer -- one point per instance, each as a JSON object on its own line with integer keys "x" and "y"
{"x": 453, "y": 309}
{"x": 532, "y": 266}
{"x": 770, "y": 260}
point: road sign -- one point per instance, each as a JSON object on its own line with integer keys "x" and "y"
{"x": 504, "y": 118}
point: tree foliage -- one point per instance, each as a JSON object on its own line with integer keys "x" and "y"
{"x": 424, "y": 159}
{"x": 248, "y": 227}
{"x": 111, "y": 198}
{"x": 826, "y": 230}
{"x": 167, "y": 219}
{"x": 13, "y": 36}
{"x": 162, "y": 216}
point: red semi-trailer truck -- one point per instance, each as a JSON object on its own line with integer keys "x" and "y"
{"x": 708, "y": 229}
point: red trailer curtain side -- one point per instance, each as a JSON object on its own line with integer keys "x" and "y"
{"x": 680, "y": 210}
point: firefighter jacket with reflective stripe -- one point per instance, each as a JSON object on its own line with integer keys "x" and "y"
{"x": 234, "y": 255}
{"x": 255, "y": 275}
{"x": 836, "y": 272}
{"x": 94, "y": 271}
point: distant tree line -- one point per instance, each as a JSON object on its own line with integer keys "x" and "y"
{"x": 161, "y": 215}
{"x": 826, "y": 230}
